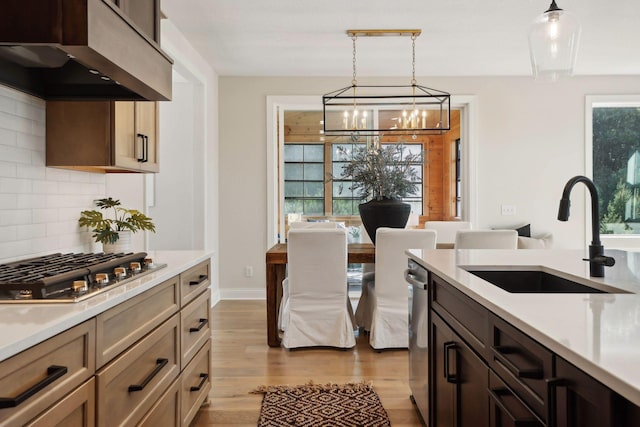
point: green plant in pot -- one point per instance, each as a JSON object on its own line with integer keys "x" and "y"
{"x": 383, "y": 176}
{"x": 109, "y": 231}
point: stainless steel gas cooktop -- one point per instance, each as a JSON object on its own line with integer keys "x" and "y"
{"x": 71, "y": 277}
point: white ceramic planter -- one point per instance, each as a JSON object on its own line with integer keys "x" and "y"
{"x": 123, "y": 244}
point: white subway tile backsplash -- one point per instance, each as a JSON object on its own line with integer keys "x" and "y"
{"x": 45, "y": 187}
{"x": 15, "y": 154}
{"x": 8, "y": 169}
{"x": 30, "y": 172}
{"x": 30, "y": 142}
{"x": 31, "y": 231}
{"x": 8, "y": 233}
{"x": 8, "y": 105}
{"x": 15, "y": 217}
{"x": 15, "y": 186}
{"x": 43, "y": 216}
{"x": 8, "y": 137}
{"x": 30, "y": 201}
{"x": 39, "y": 206}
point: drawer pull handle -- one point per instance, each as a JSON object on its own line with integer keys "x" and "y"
{"x": 201, "y": 279}
{"x": 204, "y": 379}
{"x": 53, "y": 373}
{"x": 552, "y": 395}
{"x": 500, "y": 352}
{"x": 448, "y": 376}
{"x": 520, "y": 422}
{"x": 202, "y": 324}
{"x": 160, "y": 363}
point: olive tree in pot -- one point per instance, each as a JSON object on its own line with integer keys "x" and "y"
{"x": 383, "y": 176}
{"x": 115, "y": 233}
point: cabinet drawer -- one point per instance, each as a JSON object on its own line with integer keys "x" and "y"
{"x": 166, "y": 411}
{"x": 49, "y": 370}
{"x": 505, "y": 409}
{"x": 194, "y": 321}
{"x": 130, "y": 385}
{"x": 194, "y": 280}
{"x": 196, "y": 383}
{"x": 124, "y": 324}
{"x": 466, "y": 316}
{"x": 77, "y": 409}
{"x": 522, "y": 363}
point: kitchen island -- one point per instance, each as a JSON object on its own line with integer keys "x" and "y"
{"x": 597, "y": 333}
{"x": 136, "y": 354}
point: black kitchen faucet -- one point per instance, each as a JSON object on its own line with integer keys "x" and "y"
{"x": 597, "y": 259}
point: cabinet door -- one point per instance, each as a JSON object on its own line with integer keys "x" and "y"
{"x": 146, "y": 115}
{"x": 577, "y": 400}
{"x": 127, "y": 148}
{"x": 135, "y": 131}
{"x": 460, "y": 380}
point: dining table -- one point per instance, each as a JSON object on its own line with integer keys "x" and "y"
{"x": 276, "y": 260}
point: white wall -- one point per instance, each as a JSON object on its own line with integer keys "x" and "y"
{"x": 39, "y": 206}
{"x": 531, "y": 141}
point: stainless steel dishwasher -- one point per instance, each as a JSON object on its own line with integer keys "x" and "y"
{"x": 417, "y": 276}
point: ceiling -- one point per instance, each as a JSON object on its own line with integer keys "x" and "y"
{"x": 459, "y": 37}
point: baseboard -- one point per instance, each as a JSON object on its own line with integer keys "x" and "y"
{"x": 227, "y": 294}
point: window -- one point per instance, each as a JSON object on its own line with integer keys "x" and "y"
{"x": 615, "y": 137}
{"x": 304, "y": 179}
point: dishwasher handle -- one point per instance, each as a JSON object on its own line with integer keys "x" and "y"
{"x": 411, "y": 277}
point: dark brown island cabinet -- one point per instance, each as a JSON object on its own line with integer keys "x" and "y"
{"x": 486, "y": 372}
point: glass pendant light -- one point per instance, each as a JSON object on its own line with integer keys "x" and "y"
{"x": 553, "y": 43}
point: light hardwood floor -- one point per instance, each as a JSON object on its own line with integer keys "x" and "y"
{"x": 242, "y": 361}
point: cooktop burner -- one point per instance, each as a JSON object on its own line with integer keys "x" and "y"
{"x": 70, "y": 277}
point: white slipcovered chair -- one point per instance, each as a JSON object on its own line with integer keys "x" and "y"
{"x": 446, "y": 230}
{"x": 285, "y": 284}
{"x": 363, "y": 310}
{"x": 389, "y": 292}
{"x": 486, "y": 239}
{"x": 317, "y": 313}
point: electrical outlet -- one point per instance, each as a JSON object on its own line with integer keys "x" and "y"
{"x": 248, "y": 271}
{"x": 508, "y": 209}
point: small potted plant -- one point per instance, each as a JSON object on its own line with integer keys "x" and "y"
{"x": 115, "y": 233}
{"x": 383, "y": 176}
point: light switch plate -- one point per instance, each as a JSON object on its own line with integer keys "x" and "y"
{"x": 508, "y": 209}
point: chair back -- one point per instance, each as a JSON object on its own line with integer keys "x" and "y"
{"x": 391, "y": 260}
{"x": 486, "y": 239}
{"x": 446, "y": 230}
{"x": 318, "y": 293}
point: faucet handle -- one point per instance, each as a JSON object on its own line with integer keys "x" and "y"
{"x": 607, "y": 261}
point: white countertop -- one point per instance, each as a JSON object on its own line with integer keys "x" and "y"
{"x": 24, "y": 325}
{"x": 599, "y": 333}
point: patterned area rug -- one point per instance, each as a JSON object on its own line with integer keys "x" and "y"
{"x": 335, "y": 405}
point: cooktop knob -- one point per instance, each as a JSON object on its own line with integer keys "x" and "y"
{"x": 80, "y": 286}
{"x": 120, "y": 272}
{"x": 135, "y": 267}
{"x": 148, "y": 262}
{"x": 102, "y": 278}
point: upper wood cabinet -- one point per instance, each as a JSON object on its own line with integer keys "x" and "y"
{"x": 103, "y": 136}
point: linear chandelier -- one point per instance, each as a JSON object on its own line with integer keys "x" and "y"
{"x": 360, "y": 110}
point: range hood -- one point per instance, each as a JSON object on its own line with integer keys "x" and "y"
{"x": 79, "y": 50}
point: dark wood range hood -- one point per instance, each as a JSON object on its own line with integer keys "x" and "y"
{"x": 80, "y": 50}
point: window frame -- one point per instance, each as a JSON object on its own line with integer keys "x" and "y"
{"x": 613, "y": 241}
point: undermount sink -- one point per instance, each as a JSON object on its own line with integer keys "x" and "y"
{"x": 537, "y": 281}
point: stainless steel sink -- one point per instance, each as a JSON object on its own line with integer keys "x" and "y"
{"x": 537, "y": 281}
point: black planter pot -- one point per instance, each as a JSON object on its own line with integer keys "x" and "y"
{"x": 383, "y": 213}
